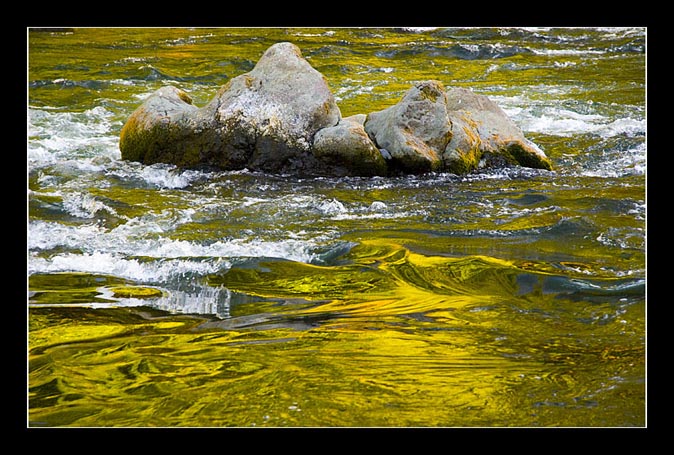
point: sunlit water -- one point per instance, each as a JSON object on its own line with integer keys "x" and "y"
{"x": 161, "y": 296}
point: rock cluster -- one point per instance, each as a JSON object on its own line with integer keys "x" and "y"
{"x": 281, "y": 117}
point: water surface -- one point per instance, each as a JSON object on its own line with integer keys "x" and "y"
{"x": 161, "y": 296}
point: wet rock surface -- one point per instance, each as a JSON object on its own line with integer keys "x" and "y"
{"x": 281, "y": 117}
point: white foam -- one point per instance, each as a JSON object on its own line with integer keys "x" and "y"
{"x": 419, "y": 29}
{"x": 331, "y": 207}
{"x": 70, "y": 136}
{"x": 560, "y": 52}
{"x": 249, "y": 201}
{"x": 619, "y": 163}
{"x": 84, "y": 205}
{"x": 558, "y": 126}
{"x": 160, "y": 175}
{"x": 311, "y": 35}
{"x": 159, "y": 271}
{"x": 377, "y": 206}
{"x": 91, "y": 122}
{"x": 622, "y": 31}
{"x": 564, "y": 64}
{"x": 165, "y": 259}
{"x": 623, "y": 238}
{"x": 115, "y": 251}
{"x": 168, "y": 176}
{"x": 351, "y": 88}
{"x": 292, "y": 249}
{"x": 532, "y": 117}
{"x": 132, "y": 60}
{"x": 44, "y": 235}
{"x": 625, "y": 125}
{"x": 122, "y": 82}
{"x": 192, "y": 39}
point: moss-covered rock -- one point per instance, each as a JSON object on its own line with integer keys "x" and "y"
{"x": 347, "y": 149}
{"x": 281, "y": 117}
{"x": 135, "y": 292}
{"x": 498, "y": 139}
{"x": 463, "y": 152}
{"x": 416, "y": 130}
{"x": 160, "y": 130}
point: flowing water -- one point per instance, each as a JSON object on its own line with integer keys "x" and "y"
{"x": 161, "y": 296}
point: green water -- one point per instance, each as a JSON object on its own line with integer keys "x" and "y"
{"x": 170, "y": 297}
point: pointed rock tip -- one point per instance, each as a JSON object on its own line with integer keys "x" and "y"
{"x": 284, "y": 47}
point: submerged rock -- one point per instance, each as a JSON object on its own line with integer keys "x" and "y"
{"x": 281, "y": 117}
{"x": 136, "y": 292}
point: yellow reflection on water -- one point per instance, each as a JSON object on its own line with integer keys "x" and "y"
{"x": 394, "y": 338}
{"x": 342, "y": 374}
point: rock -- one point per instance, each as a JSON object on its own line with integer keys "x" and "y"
{"x": 273, "y": 112}
{"x": 463, "y": 152}
{"x": 457, "y": 131}
{"x": 416, "y": 130}
{"x": 347, "y": 149}
{"x": 281, "y": 117}
{"x": 265, "y": 119}
{"x": 165, "y": 128}
{"x": 486, "y": 136}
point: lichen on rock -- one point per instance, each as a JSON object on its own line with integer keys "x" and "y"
{"x": 416, "y": 130}
{"x": 499, "y": 139}
{"x": 462, "y": 154}
{"x": 277, "y": 107}
{"x": 281, "y": 117}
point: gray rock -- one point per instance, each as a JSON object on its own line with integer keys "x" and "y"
{"x": 463, "y": 152}
{"x": 276, "y": 108}
{"x": 346, "y": 149}
{"x": 499, "y": 140}
{"x": 281, "y": 117}
{"x": 416, "y": 130}
{"x": 265, "y": 119}
{"x": 456, "y": 131}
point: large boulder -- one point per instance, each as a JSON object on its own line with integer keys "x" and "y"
{"x": 456, "y": 131}
{"x": 276, "y": 108}
{"x": 483, "y": 135}
{"x": 166, "y": 128}
{"x": 281, "y": 117}
{"x": 346, "y": 149}
{"x": 265, "y": 119}
{"x": 416, "y": 130}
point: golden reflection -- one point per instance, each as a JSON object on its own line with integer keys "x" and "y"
{"x": 404, "y": 339}
{"x": 377, "y": 376}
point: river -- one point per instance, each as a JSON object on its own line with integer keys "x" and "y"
{"x": 514, "y": 297}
